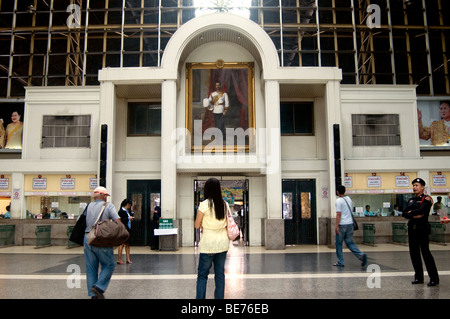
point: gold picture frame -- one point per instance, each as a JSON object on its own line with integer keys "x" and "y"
{"x": 220, "y": 119}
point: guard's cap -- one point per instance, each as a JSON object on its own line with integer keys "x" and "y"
{"x": 101, "y": 190}
{"x": 418, "y": 180}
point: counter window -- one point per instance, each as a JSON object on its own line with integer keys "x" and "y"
{"x": 368, "y": 205}
{"x": 56, "y": 207}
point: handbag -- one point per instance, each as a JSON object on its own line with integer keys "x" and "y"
{"x": 232, "y": 228}
{"x": 355, "y": 224}
{"x": 79, "y": 230}
{"x": 108, "y": 232}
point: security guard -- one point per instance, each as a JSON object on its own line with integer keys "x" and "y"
{"x": 417, "y": 211}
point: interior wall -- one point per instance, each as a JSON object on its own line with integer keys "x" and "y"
{"x": 42, "y": 101}
{"x": 380, "y": 99}
{"x": 131, "y": 148}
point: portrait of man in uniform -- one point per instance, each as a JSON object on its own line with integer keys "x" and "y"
{"x": 220, "y": 107}
{"x": 219, "y": 104}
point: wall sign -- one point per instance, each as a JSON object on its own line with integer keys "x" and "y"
{"x": 93, "y": 183}
{"x": 348, "y": 182}
{"x": 439, "y": 180}
{"x": 4, "y": 183}
{"x": 67, "y": 183}
{"x": 39, "y": 183}
{"x": 402, "y": 181}
{"x": 373, "y": 181}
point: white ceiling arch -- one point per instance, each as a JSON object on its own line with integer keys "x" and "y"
{"x": 219, "y": 27}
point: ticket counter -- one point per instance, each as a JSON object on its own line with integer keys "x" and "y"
{"x": 385, "y": 194}
{"x": 58, "y": 196}
{"x": 5, "y": 194}
{"x": 379, "y": 194}
{"x": 440, "y": 192}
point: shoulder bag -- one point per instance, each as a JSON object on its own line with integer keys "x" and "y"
{"x": 355, "y": 224}
{"x": 232, "y": 228}
{"x": 108, "y": 232}
{"x": 79, "y": 230}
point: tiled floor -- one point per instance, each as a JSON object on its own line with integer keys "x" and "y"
{"x": 304, "y": 272}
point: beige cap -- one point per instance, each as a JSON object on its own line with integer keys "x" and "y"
{"x": 101, "y": 190}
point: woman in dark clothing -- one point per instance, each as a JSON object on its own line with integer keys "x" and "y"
{"x": 126, "y": 217}
{"x": 155, "y": 225}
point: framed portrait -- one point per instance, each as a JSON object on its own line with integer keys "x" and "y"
{"x": 220, "y": 110}
{"x": 434, "y": 124}
{"x": 11, "y": 127}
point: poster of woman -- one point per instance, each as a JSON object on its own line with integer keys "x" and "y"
{"x": 434, "y": 123}
{"x": 11, "y": 127}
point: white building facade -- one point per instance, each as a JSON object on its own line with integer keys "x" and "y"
{"x": 283, "y": 185}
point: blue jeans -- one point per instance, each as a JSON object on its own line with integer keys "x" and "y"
{"x": 204, "y": 265}
{"x": 96, "y": 256}
{"x": 346, "y": 234}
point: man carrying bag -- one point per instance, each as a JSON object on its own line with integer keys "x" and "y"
{"x": 94, "y": 255}
{"x": 345, "y": 224}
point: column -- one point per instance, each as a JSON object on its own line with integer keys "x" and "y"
{"x": 168, "y": 144}
{"x": 107, "y": 116}
{"x": 333, "y": 116}
{"x": 274, "y": 228}
{"x": 17, "y": 196}
{"x": 168, "y": 164}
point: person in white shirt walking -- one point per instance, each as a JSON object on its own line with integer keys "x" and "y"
{"x": 344, "y": 228}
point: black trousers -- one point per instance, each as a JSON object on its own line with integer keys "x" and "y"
{"x": 419, "y": 245}
{"x": 219, "y": 122}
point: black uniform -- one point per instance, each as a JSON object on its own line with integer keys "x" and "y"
{"x": 418, "y": 230}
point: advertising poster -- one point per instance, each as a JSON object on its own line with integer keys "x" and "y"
{"x": 11, "y": 126}
{"x": 434, "y": 124}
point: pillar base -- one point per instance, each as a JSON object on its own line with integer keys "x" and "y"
{"x": 168, "y": 242}
{"x": 171, "y": 242}
{"x": 274, "y": 234}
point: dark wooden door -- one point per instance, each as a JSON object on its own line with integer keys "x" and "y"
{"x": 145, "y": 195}
{"x": 299, "y": 211}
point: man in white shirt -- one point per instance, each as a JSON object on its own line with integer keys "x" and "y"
{"x": 219, "y": 105}
{"x": 344, "y": 228}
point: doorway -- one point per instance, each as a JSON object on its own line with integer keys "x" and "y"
{"x": 235, "y": 192}
{"x": 299, "y": 211}
{"x": 145, "y": 196}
